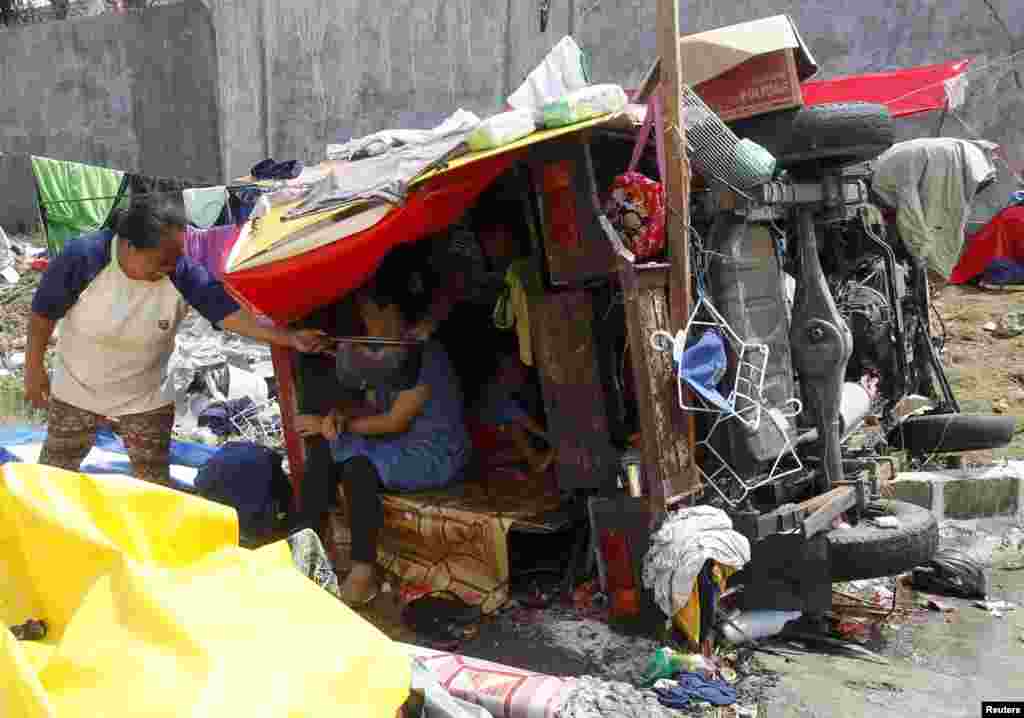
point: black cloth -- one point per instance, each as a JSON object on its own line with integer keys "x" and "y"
{"x": 365, "y": 512}
{"x": 268, "y": 169}
{"x": 249, "y": 478}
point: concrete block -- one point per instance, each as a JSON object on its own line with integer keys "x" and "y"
{"x": 977, "y": 497}
{"x": 959, "y": 494}
{"x": 914, "y": 491}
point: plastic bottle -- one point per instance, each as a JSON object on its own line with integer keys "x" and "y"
{"x": 754, "y": 625}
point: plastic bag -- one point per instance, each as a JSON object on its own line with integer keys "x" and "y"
{"x": 500, "y": 130}
{"x": 636, "y": 208}
{"x": 563, "y": 71}
{"x": 584, "y": 104}
{"x": 637, "y": 211}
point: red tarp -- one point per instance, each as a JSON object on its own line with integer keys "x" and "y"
{"x": 1001, "y": 238}
{"x": 904, "y": 92}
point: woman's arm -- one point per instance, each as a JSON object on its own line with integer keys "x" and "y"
{"x": 404, "y": 411}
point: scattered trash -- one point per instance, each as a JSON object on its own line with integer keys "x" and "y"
{"x": 851, "y": 648}
{"x": 935, "y": 605}
{"x": 594, "y": 698}
{"x": 912, "y": 404}
{"x": 886, "y": 522}
{"x": 30, "y": 630}
{"x": 951, "y": 572}
{"x": 855, "y": 629}
{"x": 667, "y": 663}
{"x": 442, "y": 620}
{"x": 1010, "y": 325}
{"x": 989, "y": 326}
{"x": 695, "y": 687}
{"x": 755, "y": 625}
{"x": 997, "y": 608}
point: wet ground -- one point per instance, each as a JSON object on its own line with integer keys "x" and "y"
{"x": 939, "y": 664}
{"x": 945, "y": 666}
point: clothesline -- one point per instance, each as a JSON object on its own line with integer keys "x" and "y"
{"x": 145, "y": 194}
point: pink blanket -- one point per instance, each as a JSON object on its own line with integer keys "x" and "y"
{"x": 503, "y": 691}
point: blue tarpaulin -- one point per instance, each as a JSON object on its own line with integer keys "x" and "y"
{"x": 109, "y": 455}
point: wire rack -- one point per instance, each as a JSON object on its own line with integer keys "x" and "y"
{"x": 716, "y": 152}
{"x": 260, "y": 423}
{"x": 750, "y": 362}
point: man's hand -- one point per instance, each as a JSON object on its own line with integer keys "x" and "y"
{"x": 37, "y": 387}
{"x": 309, "y": 341}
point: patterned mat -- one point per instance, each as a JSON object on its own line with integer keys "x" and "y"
{"x": 456, "y": 539}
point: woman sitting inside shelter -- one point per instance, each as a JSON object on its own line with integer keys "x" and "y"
{"x": 406, "y": 440}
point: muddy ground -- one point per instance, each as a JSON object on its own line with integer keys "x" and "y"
{"x": 940, "y": 664}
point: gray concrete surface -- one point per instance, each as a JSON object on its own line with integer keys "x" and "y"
{"x": 136, "y": 93}
{"x": 965, "y": 494}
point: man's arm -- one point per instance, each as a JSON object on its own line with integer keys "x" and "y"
{"x": 37, "y": 383}
{"x": 245, "y": 323}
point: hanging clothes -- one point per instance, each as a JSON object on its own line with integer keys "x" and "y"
{"x": 210, "y": 247}
{"x": 513, "y": 308}
{"x": 205, "y": 205}
{"x": 241, "y": 202}
{"x": 931, "y": 184}
{"x": 75, "y": 198}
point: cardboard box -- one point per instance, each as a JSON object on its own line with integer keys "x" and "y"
{"x": 763, "y": 84}
{"x": 748, "y": 69}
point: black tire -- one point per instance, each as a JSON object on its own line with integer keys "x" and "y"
{"x": 951, "y": 433}
{"x": 868, "y": 551}
{"x": 834, "y": 135}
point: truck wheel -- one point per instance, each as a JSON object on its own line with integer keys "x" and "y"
{"x": 831, "y": 135}
{"x": 869, "y": 551}
{"x": 950, "y": 433}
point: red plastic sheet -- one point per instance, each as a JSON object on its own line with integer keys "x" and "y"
{"x": 904, "y": 92}
{"x": 1001, "y": 238}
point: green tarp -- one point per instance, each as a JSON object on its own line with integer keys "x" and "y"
{"x": 76, "y": 198}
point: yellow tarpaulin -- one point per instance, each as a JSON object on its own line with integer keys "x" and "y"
{"x": 154, "y": 610}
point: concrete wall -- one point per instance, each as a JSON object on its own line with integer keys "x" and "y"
{"x": 137, "y": 93}
{"x": 205, "y": 90}
{"x": 297, "y": 76}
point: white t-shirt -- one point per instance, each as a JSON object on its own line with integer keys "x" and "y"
{"x": 115, "y": 342}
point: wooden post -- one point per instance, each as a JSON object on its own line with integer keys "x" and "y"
{"x": 676, "y": 183}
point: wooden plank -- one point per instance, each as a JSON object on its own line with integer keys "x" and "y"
{"x": 665, "y": 445}
{"x": 837, "y": 501}
{"x": 283, "y": 360}
{"x": 561, "y": 327}
{"x": 677, "y": 183}
{"x": 575, "y": 248}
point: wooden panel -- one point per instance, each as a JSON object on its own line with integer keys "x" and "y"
{"x": 575, "y": 248}
{"x": 565, "y": 355}
{"x": 663, "y": 425}
{"x": 284, "y": 372}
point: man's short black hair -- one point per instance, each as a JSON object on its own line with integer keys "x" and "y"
{"x": 146, "y": 221}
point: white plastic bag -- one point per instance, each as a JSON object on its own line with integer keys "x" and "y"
{"x": 562, "y": 72}
{"x": 500, "y": 130}
{"x": 584, "y": 104}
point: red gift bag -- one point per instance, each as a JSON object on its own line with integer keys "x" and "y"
{"x": 637, "y": 205}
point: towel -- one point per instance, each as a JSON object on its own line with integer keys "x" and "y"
{"x": 204, "y": 205}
